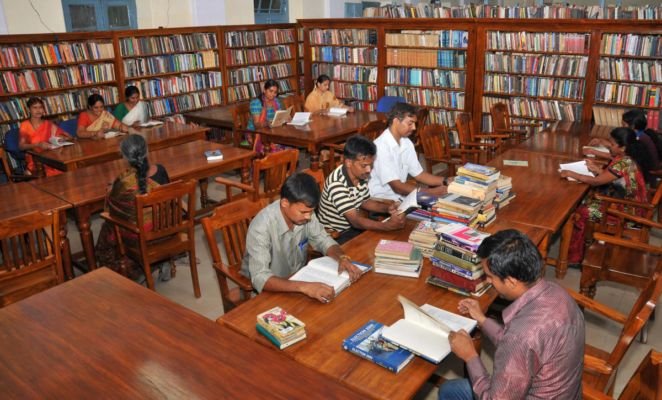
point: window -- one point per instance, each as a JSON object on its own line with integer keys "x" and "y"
{"x": 271, "y": 11}
{"x": 355, "y": 10}
{"x": 99, "y": 15}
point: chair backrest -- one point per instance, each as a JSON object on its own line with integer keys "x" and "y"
{"x": 240, "y": 115}
{"x": 30, "y": 259}
{"x": 160, "y": 212}
{"x": 500, "y": 117}
{"x": 372, "y": 129}
{"x": 435, "y": 143}
{"x": 275, "y": 168}
{"x": 422, "y": 118}
{"x": 464, "y": 128}
{"x": 386, "y": 103}
{"x": 646, "y": 383}
{"x": 70, "y": 126}
{"x": 5, "y": 169}
{"x": 293, "y": 100}
{"x": 15, "y": 156}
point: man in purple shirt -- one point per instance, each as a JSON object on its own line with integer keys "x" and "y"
{"x": 539, "y": 348}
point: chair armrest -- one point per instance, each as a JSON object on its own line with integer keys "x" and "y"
{"x": 479, "y": 144}
{"x": 527, "y": 124}
{"x": 490, "y": 135}
{"x": 591, "y": 393}
{"x": 121, "y": 222}
{"x": 599, "y": 308}
{"x": 631, "y": 244}
{"x": 233, "y": 183}
{"x": 595, "y": 364}
{"x": 635, "y": 218}
{"x": 510, "y": 130}
{"x": 466, "y": 151}
{"x": 243, "y": 282}
{"x": 623, "y": 201}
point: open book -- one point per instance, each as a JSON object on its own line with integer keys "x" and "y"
{"x": 337, "y": 112}
{"x": 150, "y": 123}
{"x": 281, "y": 117}
{"x": 325, "y": 270}
{"x": 112, "y": 134}
{"x": 577, "y": 167}
{"x": 424, "y": 330}
{"x": 57, "y": 142}
{"x": 300, "y": 118}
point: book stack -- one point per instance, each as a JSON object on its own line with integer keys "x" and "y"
{"x": 455, "y": 264}
{"x": 453, "y": 207}
{"x": 394, "y": 257}
{"x": 425, "y": 236}
{"x": 282, "y": 329}
{"x": 504, "y": 192}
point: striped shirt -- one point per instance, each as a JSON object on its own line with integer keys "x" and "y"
{"x": 339, "y": 197}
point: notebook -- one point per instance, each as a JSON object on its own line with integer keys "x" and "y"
{"x": 281, "y": 117}
{"x": 300, "y": 118}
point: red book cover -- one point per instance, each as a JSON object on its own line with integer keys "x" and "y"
{"x": 464, "y": 283}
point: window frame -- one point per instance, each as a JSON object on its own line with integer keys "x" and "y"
{"x": 101, "y": 14}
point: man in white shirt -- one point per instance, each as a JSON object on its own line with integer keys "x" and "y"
{"x": 397, "y": 159}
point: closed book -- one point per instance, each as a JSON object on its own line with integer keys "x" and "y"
{"x": 437, "y": 262}
{"x": 463, "y": 236}
{"x": 213, "y": 155}
{"x": 459, "y": 202}
{"x": 367, "y": 342}
{"x": 280, "y": 323}
{"x": 471, "y": 285}
{"x": 409, "y": 274}
{"x": 458, "y": 252}
{"x": 275, "y": 341}
{"x": 394, "y": 248}
{"x": 460, "y": 262}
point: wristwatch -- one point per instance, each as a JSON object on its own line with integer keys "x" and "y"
{"x": 345, "y": 257}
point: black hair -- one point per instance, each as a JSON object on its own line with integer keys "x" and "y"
{"x": 626, "y": 137}
{"x": 401, "y": 111}
{"x": 134, "y": 149}
{"x": 130, "y": 91}
{"x": 34, "y": 100}
{"x": 322, "y": 78}
{"x": 358, "y": 145}
{"x": 301, "y": 188}
{"x": 510, "y": 253}
{"x": 267, "y": 85}
{"x": 94, "y": 99}
{"x": 636, "y": 119}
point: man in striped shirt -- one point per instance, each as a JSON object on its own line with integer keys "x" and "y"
{"x": 346, "y": 192}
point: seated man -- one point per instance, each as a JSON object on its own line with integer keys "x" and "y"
{"x": 278, "y": 237}
{"x": 346, "y": 191}
{"x": 397, "y": 158}
{"x": 539, "y": 349}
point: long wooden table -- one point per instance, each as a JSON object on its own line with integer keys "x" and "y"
{"x": 85, "y": 152}
{"x": 217, "y": 117}
{"x": 103, "y": 336}
{"x": 85, "y": 189}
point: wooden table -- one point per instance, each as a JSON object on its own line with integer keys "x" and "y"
{"x": 217, "y": 117}
{"x": 87, "y": 152}
{"x": 103, "y": 336}
{"x": 85, "y": 189}
{"x": 19, "y": 199}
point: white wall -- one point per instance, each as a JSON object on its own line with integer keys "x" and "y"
{"x": 208, "y": 12}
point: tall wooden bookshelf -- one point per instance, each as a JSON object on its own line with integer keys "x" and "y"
{"x": 255, "y": 53}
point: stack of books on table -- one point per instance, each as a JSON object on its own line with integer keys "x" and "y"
{"x": 504, "y": 192}
{"x": 394, "y": 257}
{"x": 282, "y": 329}
{"x": 454, "y": 208}
{"x": 425, "y": 236}
{"x": 455, "y": 264}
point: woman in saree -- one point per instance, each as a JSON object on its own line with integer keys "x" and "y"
{"x": 131, "y": 112}
{"x": 623, "y": 177}
{"x": 36, "y": 133}
{"x": 96, "y": 121}
{"x": 140, "y": 178}
{"x": 321, "y": 98}
{"x": 262, "y": 111}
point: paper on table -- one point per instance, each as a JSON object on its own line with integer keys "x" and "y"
{"x": 112, "y": 134}
{"x": 578, "y": 167}
{"x": 151, "y": 123}
{"x": 337, "y": 111}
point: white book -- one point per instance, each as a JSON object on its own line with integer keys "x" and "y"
{"x": 337, "y": 112}
{"x": 281, "y": 117}
{"x": 325, "y": 270}
{"x": 300, "y": 118}
{"x": 112, "y": 134}
{"x": 151, "y": 123}
{"x": 57, "y": 142}
{"x": 578, "y": 167}
{"x": 424, "y": 330}
{"x": 409, "y": 203}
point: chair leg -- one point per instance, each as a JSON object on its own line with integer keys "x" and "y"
{"x": 194, "y": 268}
{"x": 147, "y": 268}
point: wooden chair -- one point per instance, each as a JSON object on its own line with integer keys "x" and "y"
{"x": 600, "y": 367}
{"x": 645, "y": 383}
{"x": 618, "y": 259}
{"x": 231, "y": 221}
{"x": 421, "y": 122}
{"x": 436, "y": 149}
{"x": 275, "y": 167}
{"x": 489, "y": 144}
{"x": 30, "y": 260}
{"x": 170, "y": 232}
{"x": 370, "y": 130}
{"x": 15, "y": 167}
{"x": 293, "y": 100}
{"x": 241, "y": 114}
{"x": 502, "y": 123}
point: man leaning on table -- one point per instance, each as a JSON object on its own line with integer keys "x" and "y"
{"x": 397, "y": 159}
{"x": 278, "y": 238}
{"x": 539, "y": 348}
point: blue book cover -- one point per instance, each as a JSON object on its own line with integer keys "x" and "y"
{"x": 367, "y": 342}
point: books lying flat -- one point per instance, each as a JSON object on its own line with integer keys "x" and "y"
{"x": 394, "y": 249}
{"x": 213, "y": 155}
{"x": 435, "y": 281}
{"x": 367, "y": 342}
{"x": 281, "y": 328}
{"x": 276, "y": 342}
{"x": 458, "y": 202}
{"x": 424, "y": 330}
{"x": 325, "y": 270}
{"x": 463, "y": 236}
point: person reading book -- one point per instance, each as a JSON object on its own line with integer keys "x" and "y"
{"x": 131, "y": 112}
{"x": 96, "y": 121}
{"x": 397, "y": 159}
{"x": 321, "y": 98}
{"x": 278, "y": 238}
{"x": 262, "y": 110}
{"x": 346, "y": 194}
{"x": 540, "y": 346}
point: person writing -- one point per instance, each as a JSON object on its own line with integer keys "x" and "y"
{"x": 278, "y": 238}
{"x": 131, "y": 112}
{"x": 540, "y": 345}
{"x": 346, "y": 194}
{"x": 96, "y": 121}
{"x": 35, "y": 134}
{"x": 321, "y": 98}
{"x": 397, "y": 159}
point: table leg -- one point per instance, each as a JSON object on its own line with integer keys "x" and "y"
{"x": 65, "y": 248}
{"x": 314, "y": 158}
{"x": 204, "y": 197}
{"x": 245, "y": 171}
{"x": 566, "y": 235}
{"x": 83, "y": 222}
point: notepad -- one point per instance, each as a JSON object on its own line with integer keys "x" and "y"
{"x": 300, "y": 118}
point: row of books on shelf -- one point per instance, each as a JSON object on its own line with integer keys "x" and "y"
{"x": 358, "y": 73}
{"x": 428, "y": 97}
{"x": 258, "y": 38}
{"x": 136, "y": 67}
{"x": 183, "y": 103}
{"x": 146, "y": 45}
{"x": 69, "y": 102}
{"x": 539, "y": 41}
{"x": 55, "y": 78}
{"x": 536, "y": 108}
{"x": 426, "y": 77}
{"x": 353, "y": 37}
{"x": 443, "y": 117}
{"x": 352, "y": 55}
{"x": 175, "y": 85}
{"x": 540, "y": 64}
{"x": 552, "y": 11}
{"x": 258, "y": 55}
{"x": 630, "y": 94}
{"x": 254, "y": 89}
{"x": 613, "y": 116}
{"x": 258, "y": 73}
{"x": 54, "y": 53}
{"x": 355, "y": 91}
{"x": 416, "y": 38}
{"x": 534, "y": 86}
{"x": 631, "y": 70}
{"x": 360, "y": 105}
{"x": 426, "y": 58}
{"x": 631, "y": 45}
